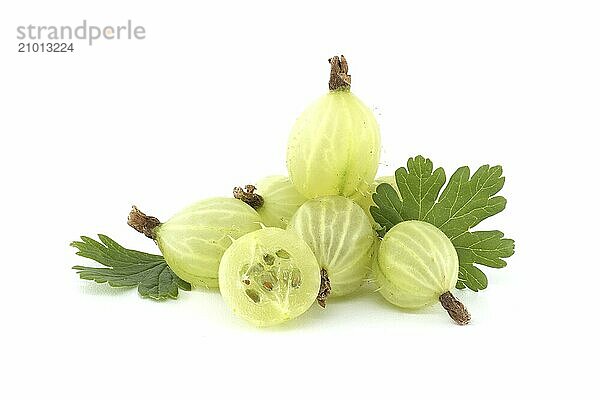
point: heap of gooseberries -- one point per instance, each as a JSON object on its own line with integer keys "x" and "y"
{"x": 277, "y": 247}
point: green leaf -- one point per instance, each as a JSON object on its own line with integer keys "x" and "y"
{"x": 484, "y": 247}
{"x": 466, "y": 202}
{"x": 388, "y": 208}
{"x": 463, "y": 203}
{"x": 471, "y": 277}
{"x": 128, "y": 268}
{"x": 419, "y": 186}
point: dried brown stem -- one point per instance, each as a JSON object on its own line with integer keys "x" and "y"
{"x": 325, "y": 289}
{"x": 455, "y": 308}
{"x": 339, "y": 78}
{"x": 248, "y": 196}
{"x": 142, "y": 223}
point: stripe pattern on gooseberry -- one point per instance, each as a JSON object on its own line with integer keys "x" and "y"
{"x": 194, "y": 240}
{"x": 340, "y": 235}
{"x": 416, "y": 266}
{"x": 334, "y": 146}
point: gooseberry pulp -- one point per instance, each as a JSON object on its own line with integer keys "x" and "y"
{"x": 334, "y": 145}
{"x": 274, "y": 198}
{"x": 416, "y": 266}
{"x": 194, "y": 240}
{"x": 269, "y": 276}
{"x": 339, "y": 234}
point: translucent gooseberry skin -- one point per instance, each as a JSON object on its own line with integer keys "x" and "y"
{"x": 334, "y": 147}
{"x": 416, "y": 263}
{"x": 269, "y": 276}
{"x": 371, "y": 275}
{"x": 194, "y": 240}
{"x": 340, "y": 235}
{"x": 366, "y": 201}
{"x": 281, "y": 200}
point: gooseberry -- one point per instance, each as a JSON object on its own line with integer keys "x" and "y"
{"x": 416, "y": 266}
{"x": 334, "y": 145}
{"x": 194, "y": 240}
{"x": 274, "y": 198}
{"x": 269, "y": 276}
{"x": 339, "y": 233}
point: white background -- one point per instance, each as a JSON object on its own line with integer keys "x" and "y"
{"x": 206, "y": 102}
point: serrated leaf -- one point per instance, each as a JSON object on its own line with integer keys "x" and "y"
{"x": 464, "y": 202}
{"x": 128, "y": 268}
{"x": 419, "y": 187}
{"x": 388, "y": 206}
{"x": 472, "y": 277}
{"x": 484, "y": 247}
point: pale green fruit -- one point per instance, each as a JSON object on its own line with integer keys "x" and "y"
{"x": 371, "y": 274}
{"x": 340, "y": 235}
{"x": 334, "y": 147}
{"x": 281, "y": 200}
{"x": 365, "y": 200}
{"x": 269, "y": 276}
{"x": 194, "y": 240}
{"x": 417, "y": 265}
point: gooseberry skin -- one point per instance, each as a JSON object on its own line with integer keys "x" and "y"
{"x": 415, "y": 265}
{"x": 334, "y": 147}
{"x": 269, "y": 276}
{"x": 194, "y": 240}
{"x": 340, "y": 235}
{"x": 281, "y": 200}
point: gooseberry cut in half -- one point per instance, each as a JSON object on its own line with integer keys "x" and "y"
{"x": 269, "y": 276}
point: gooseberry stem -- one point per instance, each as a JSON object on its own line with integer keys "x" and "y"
{"x": 457, "y": 311}
{"x": 248, "y": 196}
{"x": 142, "y": 223}
{"x": 325, "y": 289}
{"x": 339, "y": 78}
